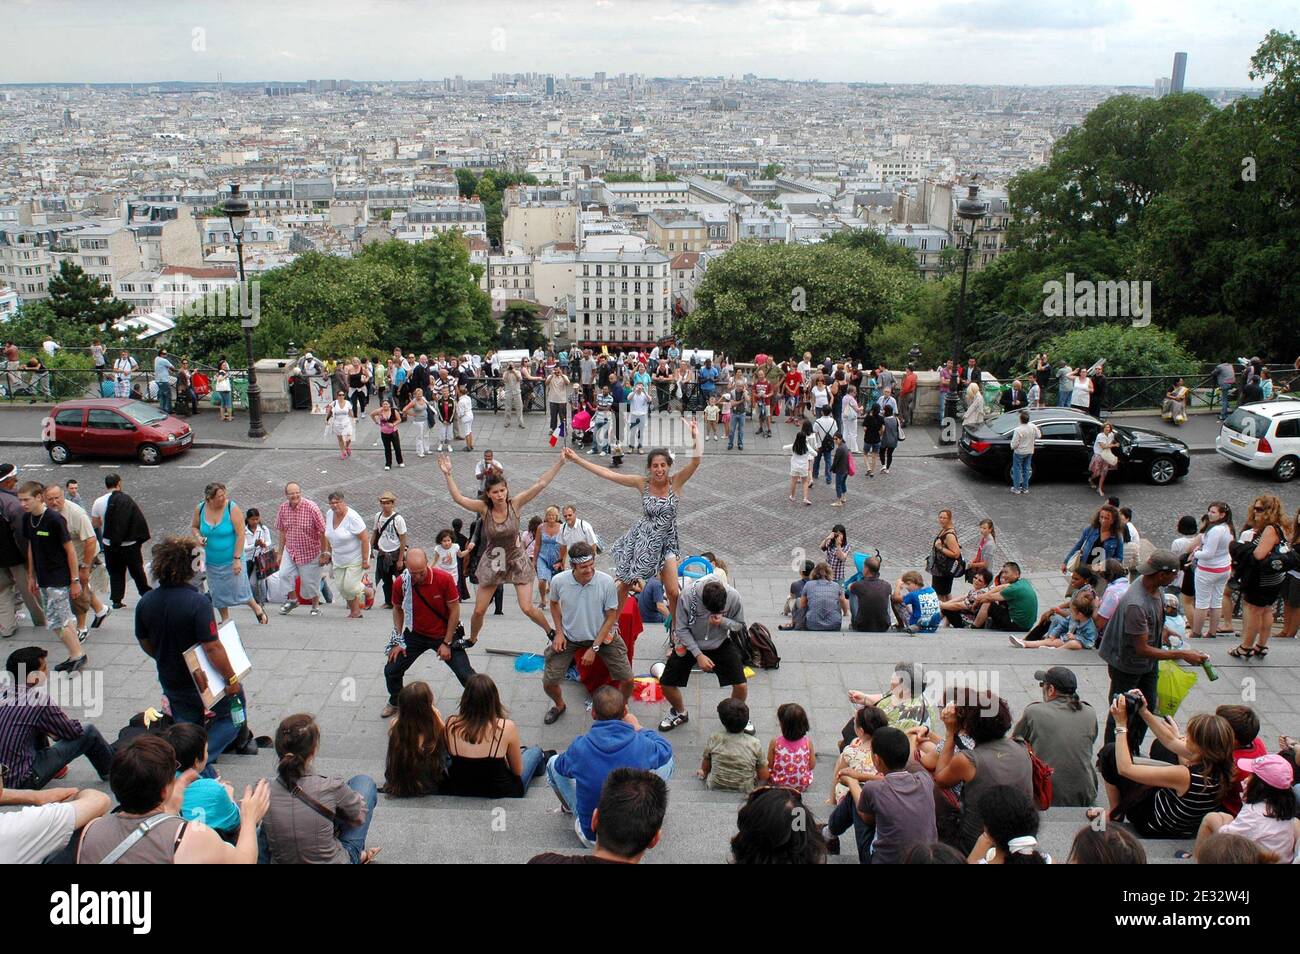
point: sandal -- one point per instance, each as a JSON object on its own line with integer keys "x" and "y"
{"x": 1261, "y": 651}
{"x": 1242, "y": 652}
{"x": 369, "y": 855}
{"x": 554, "y": 714}
{"x": 262, "y": 618}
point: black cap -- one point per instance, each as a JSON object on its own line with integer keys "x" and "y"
{"x": 1060, "y": 678}
{"x": 7, "y": 471}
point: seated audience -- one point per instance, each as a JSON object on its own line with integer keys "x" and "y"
{"x": 487, "y": 759}
{"x": 1112, "y": 845}
{"x": 615, "y": 740}
{"x": 417, "y": 745}
{"x": 315, "y": 819}
{"x": 733, "y": 759}
{"x": 1062, "y": 730}
{"x": 1267, "y": 816}
{"x": 1010, "y": 835}
{"x": 896, "y": 808}
{"x": 1080, "y": 632}
{"x": 627, "y": 821}
{"x": 790, "y": 755}
{"x": 964, "y": 610}
{"x": 822, "y": 603}
{"x": 869, "y": 600}
{"x": 774, "y": 828}
{"x": 922, "y": 602}
{"x": 1010, "y": 604}
{"x": 208, "y": 800}
{"x": 47, "y": 822}
{"x": 1055, "y": 622}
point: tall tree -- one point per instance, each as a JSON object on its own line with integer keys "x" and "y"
{"x": 76, "y": 296}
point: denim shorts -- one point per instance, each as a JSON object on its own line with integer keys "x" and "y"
{"x": 871, "y": 448}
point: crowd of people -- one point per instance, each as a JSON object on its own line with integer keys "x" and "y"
{"x": 923, "y": 774}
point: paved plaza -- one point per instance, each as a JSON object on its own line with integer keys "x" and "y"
{"x": 736, "y": 506}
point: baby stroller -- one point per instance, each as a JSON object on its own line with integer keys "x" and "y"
{"x": 580, "y": 430}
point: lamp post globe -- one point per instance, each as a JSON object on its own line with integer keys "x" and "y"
{"x": 236, "y": 209}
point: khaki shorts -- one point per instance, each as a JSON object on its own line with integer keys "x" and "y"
{"x": 614, "y": 655}
{"x": 308, "y": 573}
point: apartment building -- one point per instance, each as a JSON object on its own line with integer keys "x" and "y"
{"x": 165, "y": 233}
{"x": 622, "y": 296}
{"x": 676, "y": 232}
{"x": 258, "y": 230}
{"x": 425, "y": 219}
{"x": 534, "y": 225}
{"x": 9, "y": 302}
{"x": 27, "y": 260}
{"x": 925, "y": 242}
{"x": 105, "y": 252}
{"x": 509, "y": 275}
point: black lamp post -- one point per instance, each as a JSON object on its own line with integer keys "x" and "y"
{"x": 236, "y": 209}
{"x": 971, "y": 210}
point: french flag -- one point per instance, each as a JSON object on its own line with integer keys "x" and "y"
{"x": 557, "y": 434}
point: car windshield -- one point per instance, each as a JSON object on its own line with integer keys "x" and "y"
{"x": 1247, "y": 423}
{"x": 142, "y": 413}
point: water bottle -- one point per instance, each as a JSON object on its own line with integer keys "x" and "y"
{"x": 1210, "y": 672}
{"x": 237, "y": 712}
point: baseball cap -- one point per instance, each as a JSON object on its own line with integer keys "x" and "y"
{"x": 1161, "y": 561}
{"x": 1272, "y": 769}
{"x": 7, "y": 471}
{"x": 1062, "y": 679}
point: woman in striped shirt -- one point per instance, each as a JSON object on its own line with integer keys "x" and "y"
{"x": 1161, "y": 800}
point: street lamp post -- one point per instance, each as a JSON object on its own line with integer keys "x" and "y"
{"x": 969, "y": 210}
{"x": 236, "y": 209}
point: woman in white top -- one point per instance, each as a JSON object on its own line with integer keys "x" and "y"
{"x": 801, "y": 458}
{"x": 221, "y": 385}
{"x": 349, "y": 541}
{"x": 1081, "y": 396}
{"x": 976, "y": 413}
{"x": 1210, "y": 549}
{"x": 1104, "y": 458}
{"x": 417, "y": 409}
{"x": 257, "y": 540}
{"x": 465, "y": 415}
{"x": 849, "y": 412}
{"x": 819, "y": 394}
{"x": 340, "y": 417}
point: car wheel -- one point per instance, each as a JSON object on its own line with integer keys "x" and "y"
{"x": 1285, "y": 470}
{"x": 59, "y": 453}
{"x": 149, "y": 455}
{"x": 1162, "y": 470}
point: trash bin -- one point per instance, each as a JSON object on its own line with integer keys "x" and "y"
{"x": 239, "y": 392}
{"x": 300, "y": 394}
{"x": 950, "y": 429}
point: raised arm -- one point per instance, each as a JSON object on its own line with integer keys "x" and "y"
{"x": 692, "y": 465}
{"x": 528, "y": 495}
{"x": 474, "y": 506}
{"x": 627, "y": 480}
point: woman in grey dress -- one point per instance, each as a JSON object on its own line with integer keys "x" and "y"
{"x": 503, "y": 560}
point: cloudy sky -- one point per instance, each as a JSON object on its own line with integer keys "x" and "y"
{"x": 901, "y": 41}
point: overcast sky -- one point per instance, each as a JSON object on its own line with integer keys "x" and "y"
{"x": 1034, "y": 42}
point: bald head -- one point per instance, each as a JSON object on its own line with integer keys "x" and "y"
{"x": 417, "y": 561}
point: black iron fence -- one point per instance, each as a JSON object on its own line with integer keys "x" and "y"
{"x": 19, "y": 383}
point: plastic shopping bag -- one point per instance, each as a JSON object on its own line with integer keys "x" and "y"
{"x": 1172, "y": 686}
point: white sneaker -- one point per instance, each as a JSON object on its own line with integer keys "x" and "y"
{"x": 1016, "y": 641}
{"x": 401, "y": 465}
{"x": 750, "y": 730}
{"x": 386, "y": 467}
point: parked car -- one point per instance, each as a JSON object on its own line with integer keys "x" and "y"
{"x": 1066, "y": 447}
{"x": 114, "y": 427}
{"x": 1263, "y": 436}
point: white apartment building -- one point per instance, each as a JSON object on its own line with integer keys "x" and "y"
{"x": 27, "y": 260}
{"x": 534, "y": 225}
{"x": 621, "y": 296}
{"x": 425, "y": 219}
{"x": 509, "y": 276}
{"x": 9, "y": 302}
{"x": 257, "y": 231}
{"x": 925, "y": 242}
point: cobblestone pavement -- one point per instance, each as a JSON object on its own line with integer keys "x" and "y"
{"x": 735, "y": 506}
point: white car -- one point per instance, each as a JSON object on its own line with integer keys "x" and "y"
{"x": 1263, "y": 436}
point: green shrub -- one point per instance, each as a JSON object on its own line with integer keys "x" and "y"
{"x": 1128, "y": 351}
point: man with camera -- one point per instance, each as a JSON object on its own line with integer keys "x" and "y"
{"x": 427, "y": 598}
{"x": 1133, "y": 636}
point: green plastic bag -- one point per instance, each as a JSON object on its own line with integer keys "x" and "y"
{"x": 1172, "y": 686}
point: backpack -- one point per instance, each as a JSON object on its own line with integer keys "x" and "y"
{"x": 762, "y": 649}
{"x": 1042, "y": 778}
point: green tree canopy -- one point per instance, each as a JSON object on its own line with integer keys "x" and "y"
{"x": 76, "y": 296}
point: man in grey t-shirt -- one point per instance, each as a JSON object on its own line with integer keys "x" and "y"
{"x": 584, "y": 608}
{"x": 1062, "y": 730}
{"x": 162, "y": 376}
{"x": 1225, "y": 376}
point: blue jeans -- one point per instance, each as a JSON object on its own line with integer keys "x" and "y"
{"x": 817, "y": 460}
{"x": 51, "y": 760}
{"x": 1223, "y": 403}
{"x": 353, "y": 840}
{"x": 943, "y": 403}
{"x": 221, "y": 730}
{"x": 841, "y": 485}
{"x": 1022, "y": 466}
{"x": 845, "y": 816}
{"x": 566, "y": 788}
{"x": 737, "y": 432}
{"x": 164, "y": 397}
{"x": 1063, "y": 396}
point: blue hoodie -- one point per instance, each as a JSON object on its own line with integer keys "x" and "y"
{"x": 609, "y": 745}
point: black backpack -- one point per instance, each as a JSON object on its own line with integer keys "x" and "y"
{"x": 762, "y": 649}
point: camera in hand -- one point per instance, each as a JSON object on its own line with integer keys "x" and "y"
{"x": 1132, "y": 700}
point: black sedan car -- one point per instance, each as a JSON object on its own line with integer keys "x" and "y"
{"x": 1065, "y": 449}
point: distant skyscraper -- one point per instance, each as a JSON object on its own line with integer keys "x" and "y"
{"x": 550, "y": 86}
{"x": 1179, "y": 74}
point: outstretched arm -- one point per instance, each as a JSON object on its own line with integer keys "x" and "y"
{"x": 692, "y": 465}
{"x": 627, "y": 480}
{"x": 475, "y": 506}
{"x": 523, "y": 499}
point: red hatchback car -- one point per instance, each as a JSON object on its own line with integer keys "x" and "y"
{"x": 114, "y": 427}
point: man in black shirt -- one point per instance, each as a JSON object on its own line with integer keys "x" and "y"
{"x": 870, "y": 596}
{"x": 627, "y": 822}
{"x": 169, "y": 619}
{"x": 52, "y": 570}
{"x": 13, "y": 556}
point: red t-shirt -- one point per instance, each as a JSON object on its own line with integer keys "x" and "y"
{"x": 762, "y": 390}
{"x": 439, "y": 589}
{"x": 793, "y": 382}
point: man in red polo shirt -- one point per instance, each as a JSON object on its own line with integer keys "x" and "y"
{"x": 426, "y": 615}
{"x": 792, "y": 388}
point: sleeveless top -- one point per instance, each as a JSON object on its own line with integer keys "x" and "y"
{"x": 485, "y": 776}
{"x": 511, "y": 564}
{"x": 790, "y": 763}
{"x": 1179, "y": 816}
{"x": 220, "y": 549}
{"x": 388, "y": 425}
{"x": 158, "y": 847}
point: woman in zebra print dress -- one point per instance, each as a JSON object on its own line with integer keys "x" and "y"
{"x": 650, "y": 546}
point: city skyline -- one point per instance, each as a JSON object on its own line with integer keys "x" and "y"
{"x": 941, "y": 42}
